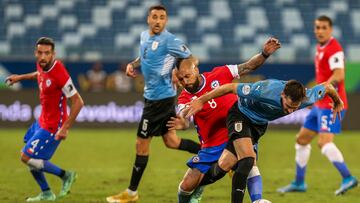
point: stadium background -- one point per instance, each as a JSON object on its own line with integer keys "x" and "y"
{"x": 217, "y": 31}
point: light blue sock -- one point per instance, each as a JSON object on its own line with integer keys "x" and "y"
{"x": 254, "y": 185}
{"x": 53, "y": 169}
{"x": 40, "y": 179}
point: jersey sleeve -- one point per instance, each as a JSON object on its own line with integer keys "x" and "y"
{"x": 336, "y": 60}
{"x": 227, "y": 72}
{"x": 177, "y": 48}
{"x": 248, "y": 90}
{"x": 313, "y": 95}
{"x": 64, "y": 81}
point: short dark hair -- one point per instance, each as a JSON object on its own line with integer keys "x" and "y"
{"x": 295, "y": 90}
{"x": 326, "y": 19}
{"x": 157, "y": 7}
{"x": 46, "y": 41}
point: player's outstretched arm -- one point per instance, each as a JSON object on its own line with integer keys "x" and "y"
{"x": 12, "y": 79}
{"x": 338, "y": 104}
{"x": 197, "y": 104}
{"x": 76, "y": 104}
{"x": 270, "y": 46}
{"x": 130, "y": 68}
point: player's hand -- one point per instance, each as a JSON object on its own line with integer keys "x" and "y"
{"x": 12, "y": 79}
{"x": 177, "y": 123}
{"x": 194, "y": 107}
{"x": 61, "y": 134}
{"x": 337, "y": 107}
{"x": 271, "y": 45}
{"x": 130, "y": 71}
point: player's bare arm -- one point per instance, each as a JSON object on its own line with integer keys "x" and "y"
{"x": 197, "y": 104}
{"x": 337, "y": 76}
{"x": 338, "y": 104}
{"x": 76, "y": 104}
{"x": 12, "y": 79}
{"x": 270, "y": 46}
{"x": 130, "y": 68}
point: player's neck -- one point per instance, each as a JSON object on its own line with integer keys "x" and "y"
{"x": 47, "y": 68}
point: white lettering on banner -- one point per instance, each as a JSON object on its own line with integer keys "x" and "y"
{"x": 15, "y": 112}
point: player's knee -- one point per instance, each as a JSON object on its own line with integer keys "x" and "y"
{"x": 24, "y": 158}
{"x": 302, "y": 140}
{"x": 245, "y": 165}
{"x": 35, "y": 164}
{"x": 185, "y": 188}
{"x": 322, "y": 143}
{"x": 142, "y": 148}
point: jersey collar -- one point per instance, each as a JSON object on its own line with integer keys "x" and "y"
{"x": 327, "y": 43}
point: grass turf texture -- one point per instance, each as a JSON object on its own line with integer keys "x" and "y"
{"x": 104, "y": 158}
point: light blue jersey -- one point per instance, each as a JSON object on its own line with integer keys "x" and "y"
{"x": 261, "y": 101}
{"x": 158, "y": 54}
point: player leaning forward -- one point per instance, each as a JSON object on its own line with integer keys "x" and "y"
{"x": 45, "y": 134}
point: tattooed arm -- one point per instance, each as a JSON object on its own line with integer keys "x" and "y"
{"x": 270, "y": 46}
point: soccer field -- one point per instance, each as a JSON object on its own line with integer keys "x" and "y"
{"x": 104, "y": 158}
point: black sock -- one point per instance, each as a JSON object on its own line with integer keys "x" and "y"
{"x": 212, "y": 175}
{"x": 138, "y": 169}
{"x": 190, "y": 146}
{"x": 239, "y": 179}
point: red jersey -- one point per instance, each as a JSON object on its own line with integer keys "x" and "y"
{"x": 210, "y": 122}
{"x": 54, "y": 85}
{"x": 329, "y": 57}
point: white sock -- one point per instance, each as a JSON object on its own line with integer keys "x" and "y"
{"x": 332, "y": 152}
{"x": 132, "y": 193}
{"x": 302, "y": 154}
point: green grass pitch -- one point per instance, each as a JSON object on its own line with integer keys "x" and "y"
{"x": 103, "y": 159}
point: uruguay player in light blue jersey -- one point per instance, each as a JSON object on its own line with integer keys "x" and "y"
{"x": 159, "y": 50}
{"x": 247, "y": 120}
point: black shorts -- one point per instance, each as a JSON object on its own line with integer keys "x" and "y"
{"x": 155, "y": 116}
{"x": 239, "y": 126}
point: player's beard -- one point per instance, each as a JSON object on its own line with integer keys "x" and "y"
{"x": 45, "y": 67}
{"x": 194, "y": 88}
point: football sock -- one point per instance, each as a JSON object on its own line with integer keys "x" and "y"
{"x": 190, "y": 146}
{"x": 53, "y": 169}
{"x": 335, "y": 156}
{"x": 138, "y": 170}
{"x": 184, "y": 196}
{"x": 40, "y": 179}
{"x": 254, "y": 184}
{"x": 212, "y": 175}
{"x": 239, "y": 179}
{"x": 302, "y": 156}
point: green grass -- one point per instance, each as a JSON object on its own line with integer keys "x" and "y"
{"x": 104, "y": 158}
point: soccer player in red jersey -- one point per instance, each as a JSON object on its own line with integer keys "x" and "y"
{"x": 45, "y": 134}
{"x": 329, "y": 68}
{"x": 211, "y": 121}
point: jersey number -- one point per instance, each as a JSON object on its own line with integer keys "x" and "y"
{"x": 324, "y": 122}
{"x": 212, "y": 104}
{"x": 35, "y": 143}
{"x": 145, "y": 124}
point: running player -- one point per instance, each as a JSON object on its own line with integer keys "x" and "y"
{"x": 45, "y": 134}
{"x": 330, "y": 68}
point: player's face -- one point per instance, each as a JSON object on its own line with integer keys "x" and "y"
{"x": 157, "y": 20}
{"x": 288, "y": 105}
{"x": 189, "y": 77}
{"x": 44, "y": 55}
{"x": 323, "y": 31}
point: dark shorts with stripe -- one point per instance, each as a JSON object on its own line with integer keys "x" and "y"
{"x": 155, "y": 116}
